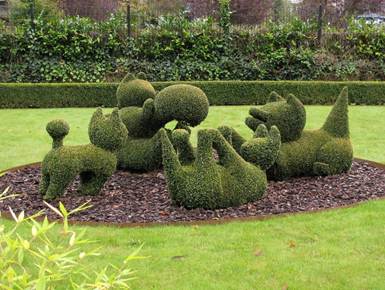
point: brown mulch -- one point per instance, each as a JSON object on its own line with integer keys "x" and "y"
{"x": 141, "y": 198}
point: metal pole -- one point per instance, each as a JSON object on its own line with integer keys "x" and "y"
{"x": 128, "y": 19}
{"x": 320, "y": 24}
{"x": 32, "y": 12}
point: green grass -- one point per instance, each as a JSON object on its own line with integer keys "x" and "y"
{"x": 24, "y": 139}
{"x": 338, "y": 249}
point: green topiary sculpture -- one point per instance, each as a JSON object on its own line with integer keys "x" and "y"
{"x": 326, "y": 151}
{"x": 142, "y": 150}
{"x": 182, "y": 103}
{"x": 134, "y": 91}
{"x": 95, "y": 162}
{"x": 288, "y": 115}
{"x": 262, "y": 150}
{"x": 196, "y": 180}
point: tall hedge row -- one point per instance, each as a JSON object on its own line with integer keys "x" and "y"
{"x": 16, "y": 95}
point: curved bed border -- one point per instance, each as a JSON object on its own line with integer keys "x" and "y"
{"x": 218, "y": 221}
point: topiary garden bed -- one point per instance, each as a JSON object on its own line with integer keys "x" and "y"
{"x": 143, "y": 198}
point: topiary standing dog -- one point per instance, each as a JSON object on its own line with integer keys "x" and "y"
{"x": 196, "y": 180}
{"x": 326, "y": 151}
{"x": 94, "y": 162}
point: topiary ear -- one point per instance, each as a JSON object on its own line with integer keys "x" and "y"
{"x": 142, "y": 76}
{"x": 261, "y": 132}
{"x": 115, "y": 118}
{"x": 129, "y": 77}
{"x": 275, "y": 135}
{"x": 293, "y": 100}
{"x": 274, "y": 97}
{"x": 97, "y": 116}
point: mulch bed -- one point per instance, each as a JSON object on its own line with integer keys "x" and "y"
{"x": 142, "y": 198}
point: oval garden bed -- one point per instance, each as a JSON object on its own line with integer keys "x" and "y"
{"x": 133, "y": 198}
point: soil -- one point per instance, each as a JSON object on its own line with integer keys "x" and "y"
{"x": 143, "y": 198}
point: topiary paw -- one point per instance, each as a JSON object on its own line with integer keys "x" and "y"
{"x": 262, "y": 150}
{"x": 321, "y": 169}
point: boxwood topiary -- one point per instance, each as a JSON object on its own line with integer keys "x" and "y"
{"x": 204, "y": 182}
{"x": 134, "y": 91}
{"x": 95, "y": 162}
{"x": 288, "y": 115}
{"x": 326, "y": 151}
{"x": 182, "y": 103}
{"x": 142, "y": 151}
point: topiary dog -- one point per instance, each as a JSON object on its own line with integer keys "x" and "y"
{"x": 326, "y": 151}
{"x": 94, "y": 162}
{"x": 144, "y": 117}
{"x": 196, "y": 180}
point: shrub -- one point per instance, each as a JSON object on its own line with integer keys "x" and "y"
{"x": 218, "y": 93}
{"x": 57, "y": 129}
{"x": 288, "y": 115}
{"x": 142, "y": 150}
{"x": 141, "y": 154}
{"x": 74, "y": 49}
{"x": 206, "y": 183}
{"x": 95, "y": 162}
{"x": 133, "y": 91}
{"x": 50, "y": 255}
{"x": 108, "y": 133}
{"x": 326, "y": 151}
{"x": 182, "y": 102}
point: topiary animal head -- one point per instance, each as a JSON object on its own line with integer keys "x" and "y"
{"x": 288, "y": 115}
{"x": 134, "y": 91}
{"x": 264, "y": 148}
{"x": 184, "y": 103}
{"x": 107, "y": 132}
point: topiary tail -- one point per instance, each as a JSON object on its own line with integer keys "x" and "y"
{"x": 337, "y": 123}
{"x": 57, "y": 129}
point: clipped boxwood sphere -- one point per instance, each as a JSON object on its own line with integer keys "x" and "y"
{"x": 134, "y": 93}
{"x": 182, "y": 103}
{"x": 58, "y": 128}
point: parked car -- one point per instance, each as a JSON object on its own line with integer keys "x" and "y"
{"x": 371, "y": 18}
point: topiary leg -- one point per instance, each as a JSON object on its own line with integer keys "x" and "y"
{"x": 56, "y": 188}
{"x": 337, "y": 154}
{"x": 91, "y": 184}
{"x": 44, "y": 183}
{"x": 321, "y": 169}
{"x": 181, "y": 141}
{"x": 252, "y": 123}
{"x": 207, "y": 191}
{"x": 233, "y": 137}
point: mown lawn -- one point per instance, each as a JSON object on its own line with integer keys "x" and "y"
{"x": 338, "y": 249}
{"x": 24, "y": 139}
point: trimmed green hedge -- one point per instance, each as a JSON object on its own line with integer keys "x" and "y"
{"x": 40, "y": 95}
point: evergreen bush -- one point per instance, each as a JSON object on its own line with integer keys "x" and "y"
{"x": 203, "y": 182}
{"x": 94, "y": 162}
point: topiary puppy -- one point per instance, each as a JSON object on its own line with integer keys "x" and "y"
{"x": 94, "y": 162}
{"x": 196, "y": 179}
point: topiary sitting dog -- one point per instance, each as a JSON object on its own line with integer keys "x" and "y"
{"x": 144, "y": 117}
{"x": 196, "y": 180}
{"x": 326, "y": 151}
{"x": 95, "y": 162}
